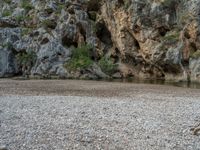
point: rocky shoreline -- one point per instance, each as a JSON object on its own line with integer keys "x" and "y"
{"x": 70, "y": 114}
{"x": 86, "y": 87}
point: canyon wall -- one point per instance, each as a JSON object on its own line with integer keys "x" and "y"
{"x": 157, "y": 39}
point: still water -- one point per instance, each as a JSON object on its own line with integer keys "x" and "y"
{"x": 185, "y": 84}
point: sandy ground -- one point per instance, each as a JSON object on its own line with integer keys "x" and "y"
{"x": 70, "y": 114}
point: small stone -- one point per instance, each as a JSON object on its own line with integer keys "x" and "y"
{"x": 117, "y": 75}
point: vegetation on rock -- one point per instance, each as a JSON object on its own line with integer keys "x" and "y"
{"x": 107, "y": 65}
{"x": 81, "y": 58}
{"x": 49, "y": 24}
{"x": 196, "y": 54}
{"x": 6, "y": 13}
{"x": 26, "y": 5}
{"x": 7, "y": 1}
{"x": 26, "y": 60}
{"x": 172, "y": 37}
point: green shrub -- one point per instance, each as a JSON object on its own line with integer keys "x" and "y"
{"x": 196, "y": 54}
{"x": 22, "y": 18}
{"x": 26, "y": 59}
{"x": 172, "y": 37}
{"x": 60, "y": 7}
{"x": 126, "y": 4}
{"x": 26, "y": 5}
{"x": 7, "y": 45}
{"x": 94, "y": 27}
{"x": 7, "y": 1}
{"x": 25, "y": 31}
{"x": 80, "y": 58}
{"x": 6, "y": 13}
{"x": 49, "y": 24}
{"x": 19, "y": 18}
{"x": 107, "y": 65}
{"x": 169, "y": 3}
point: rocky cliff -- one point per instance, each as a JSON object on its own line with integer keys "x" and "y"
{"x": 100, "y": 38}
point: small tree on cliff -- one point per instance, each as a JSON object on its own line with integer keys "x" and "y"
{"x": 25, "y": 61}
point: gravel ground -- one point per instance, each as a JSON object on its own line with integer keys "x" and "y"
{"x": 59, "y": 115}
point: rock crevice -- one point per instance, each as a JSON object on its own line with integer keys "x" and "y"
{"x": 145, "y": 39}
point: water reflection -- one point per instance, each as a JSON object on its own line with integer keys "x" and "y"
{"x": 185, "y": 84}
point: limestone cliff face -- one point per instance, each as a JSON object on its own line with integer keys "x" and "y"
{"x": 123, "y": 38}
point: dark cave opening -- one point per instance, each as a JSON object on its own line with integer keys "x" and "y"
{"x": 187, "y": 35}
{"x": 104, "y": 34}
{"x": 169, "y": 68}
{"x": 162, "y": 31}
{"x": 82, "y": 31}
{"x": 69, "y": 42}
{"x": 121, "y": 2}
{"x": 71, "y": 11}
{"x": 193, "y": 46}
{"x": 136, "y": 28}
{"x": 93, "y": 5}
{"x": 137, "y": 45}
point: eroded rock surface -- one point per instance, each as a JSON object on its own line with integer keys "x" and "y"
{"x": 146, "y": 38}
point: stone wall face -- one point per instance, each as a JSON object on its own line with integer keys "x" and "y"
{"x": 145, "y": 38}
